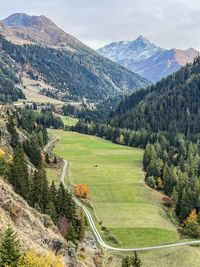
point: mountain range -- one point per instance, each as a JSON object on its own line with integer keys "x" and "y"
{"x": 146, "y": 59}
{"x": 45, "y": 52}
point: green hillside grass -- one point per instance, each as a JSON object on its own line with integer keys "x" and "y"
{"x": 122, "y": 202}
{"x": 68, "y": 121}
{"x": 184, "y": 256}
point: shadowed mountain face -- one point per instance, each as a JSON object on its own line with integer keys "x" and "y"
{"x": 63, "y": 61}
{"x": 146, "y": 59}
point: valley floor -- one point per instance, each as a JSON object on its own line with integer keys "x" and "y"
{"x": 121, "y": 202}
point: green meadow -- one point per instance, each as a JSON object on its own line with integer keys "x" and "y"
{"x": 121, "y": 201}
{"x": 69, "y": 121}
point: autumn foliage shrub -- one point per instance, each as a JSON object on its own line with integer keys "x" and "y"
{"x": 191, "y": 225}
{"x": 31, "y": 259}
{"x": 82, "y": 190}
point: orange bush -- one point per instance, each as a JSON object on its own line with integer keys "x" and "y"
{"x": 82, "y": 190}
{"x": 192, "y": 217}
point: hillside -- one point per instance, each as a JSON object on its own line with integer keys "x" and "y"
{"x": 8, "y": 80}
{"x": 171, "y": 105}
{"x": 36, "y": 231}
{"x": 46, "y": 52}
{"x": 146, "y": 59}
{"x": 30, "y": 225}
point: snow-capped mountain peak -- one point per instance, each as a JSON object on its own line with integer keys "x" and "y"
{"x": 135, "y": 50}
{"x": 147, "y": 59}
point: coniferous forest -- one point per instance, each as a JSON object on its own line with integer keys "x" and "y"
{"x": 8, "y": 80}
{"x": 73, "y": 72}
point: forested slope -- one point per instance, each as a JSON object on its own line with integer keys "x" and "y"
{"x": 170, "y": 105}
{"x": 8, "y": 80}
{"x": 80, "y": 74}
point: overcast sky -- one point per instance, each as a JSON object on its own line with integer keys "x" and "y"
{"x": 167, "y": 23}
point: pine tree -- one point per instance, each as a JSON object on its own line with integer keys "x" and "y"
{"x": 40, "y": 189}
{"x": 14, "y": 135}
{"x": 10, "y": 250}
{"x": 18, "y": 175}
{"x": 51, "y": 210}
{"x": 33, "y": 151}
{"x": 126, "y": 262}
{"x": 135, "y": 260}
{"x": 71, "y": 233}
{"x": 149, "y": 155}
{"x": 81, "y": 225}
{"x": 47, "y": 159}
{"x": 65, "y": 205}
{"x": 53, "y": 192}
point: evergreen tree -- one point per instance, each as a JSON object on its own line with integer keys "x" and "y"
{"x": 126, "y": 262}
{"x": 18, "y": 174}
{"x": 65, "y": 205}
{"x": 135, "y": 260}
{"x": 47, "y": 159}
{"x": 33, "y": 151}
{"x": 53, "y": 192}
{"x": 149, "y": 155}
{"x": 51, "y": 210}
{"x": 10, "y": 250}
{"x": 80, "y": 226}
{"x": 40, "y": 189}
{"x": 14, "y": 135}
{"x": 71, "y": 233}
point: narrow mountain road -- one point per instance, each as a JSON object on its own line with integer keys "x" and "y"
{"x": 96, "y": 232}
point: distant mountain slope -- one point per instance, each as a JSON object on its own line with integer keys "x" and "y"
{"x": 147, "y": 59}
{"x": 40, "y": 29}
{"x": 8, "y": 80}
{"x": 63, "y": 61}
{"x": 171, "y": 105}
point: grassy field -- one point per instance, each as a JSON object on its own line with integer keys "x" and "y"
{"x": 171, "y": 257}
{"x": 69, "y": 121}
{"x": 121, "y": 201}
{"x": 31, "y": 90}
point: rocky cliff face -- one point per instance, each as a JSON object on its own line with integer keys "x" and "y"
{"x": 146, "y": 59}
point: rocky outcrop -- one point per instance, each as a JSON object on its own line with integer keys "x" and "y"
{"x": 35, "y": 231}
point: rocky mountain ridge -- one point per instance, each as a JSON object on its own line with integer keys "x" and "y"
{"x": 146, "y": 59}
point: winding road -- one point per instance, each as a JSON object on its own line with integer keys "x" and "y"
{"x": 94, "y": 228}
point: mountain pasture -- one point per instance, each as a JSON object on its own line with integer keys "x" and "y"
{"x": 121, "y": 201}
